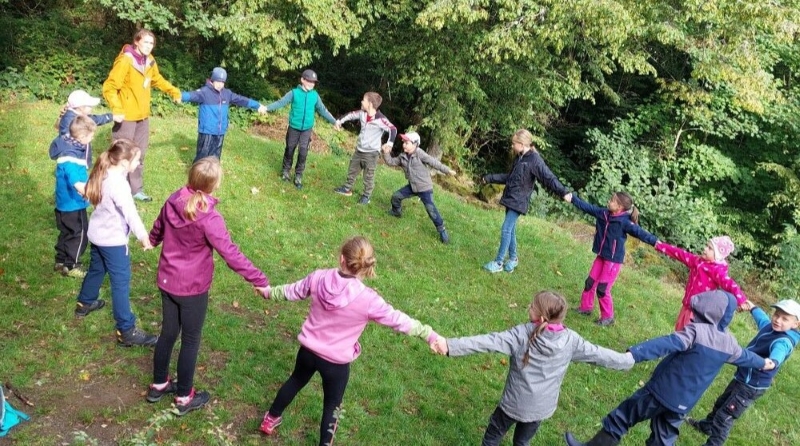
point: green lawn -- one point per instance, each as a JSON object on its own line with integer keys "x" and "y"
{"x": 399, "y": 393}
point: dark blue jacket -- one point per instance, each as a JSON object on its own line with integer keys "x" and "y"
{"x": 212, "y": 118}
{"x": 695, "y": 355}
{"x": 527, "y": 169}
{"x": 775, "y": 345}
{"x": 69, "y": 116}
{"x": 611, "y": 231}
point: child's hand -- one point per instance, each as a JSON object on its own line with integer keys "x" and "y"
{"x": 568, "y": 197}
{"x": 118, "y": 118}
{"x": 263, "y": 291}
{"x": 146, "y": 244}
{"x": 386, "y": 148}
{"x": 178, "y": 100}
{"x": 768, "y": 365}
{"x": 747, "y": 306}
{"x": 337, "y": 126}
{"x": 453, "y": 173}
{"x": 262, "y": 109}
{"x": 439, "y": 346}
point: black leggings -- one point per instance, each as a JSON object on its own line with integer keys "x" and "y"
{"x": 180, "y": 315}
{"x": 334, "y": 382}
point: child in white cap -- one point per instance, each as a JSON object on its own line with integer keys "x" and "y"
{"x": 80, "y": 103}
{"x": 776, "y": 338}
{"x": 707, "y": 272}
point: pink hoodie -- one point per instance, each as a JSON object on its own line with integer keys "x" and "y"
{"x": 341, "y": 307}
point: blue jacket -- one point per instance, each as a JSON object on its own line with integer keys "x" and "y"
{"x": 611, "y": 231}
{"x": 776, "y": 345}
{"x": 212, "y": 118}
{"x": 304, "y": 104}
{"x": 71, "y": 168}
{"x": 526, "y": 170}
{"x": 694, "y": 356}
{"x": 69, "y": 116}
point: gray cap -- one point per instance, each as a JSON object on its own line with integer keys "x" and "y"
{"x": 219, "y": 74}
{"x": 310, "y": 75}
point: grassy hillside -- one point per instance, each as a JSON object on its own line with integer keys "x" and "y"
{"x": 399, "y": 393}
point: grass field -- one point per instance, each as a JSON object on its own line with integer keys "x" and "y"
{"x": 399, "y": 393}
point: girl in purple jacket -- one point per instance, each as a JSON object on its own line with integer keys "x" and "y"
{"x": 190, "y": 229}
{"x": 341, "y": 306}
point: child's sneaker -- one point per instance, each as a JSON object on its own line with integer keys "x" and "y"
{"x": 605, "y": 322}
{"x": 443, "y": 236}
{"x": 81, "y": 310}
{"x": 583, "y": 312}
{"x": 493, "y": 267}
{"x": 195, "y": 400}
{"x": 154, "y": 395}
{"x": 135, "y": 336}
{"x": 699, "y": 425}
{"x": 298, "y": 182}
{"x": 285, "y": 176}
{"x": 58, "y": 267}
{"x": 394, "y": 213}
{"x": 270, "y": 423}
{"x": 144, "y": 198}
{"x": 510, "y": 265}
{"x": 363, "y": 200}
{"x": 75, "y": 273}
{"x": 343, "y": 191}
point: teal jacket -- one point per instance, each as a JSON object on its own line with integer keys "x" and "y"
{"x": 304, "y": 104}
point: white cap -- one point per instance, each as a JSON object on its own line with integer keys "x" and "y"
{"x": 412, "y": 136}
{"x": 788, "y": 306}
{"x": 80, "y": 98}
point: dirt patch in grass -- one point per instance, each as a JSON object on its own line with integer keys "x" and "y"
{"x": 276, "y": 131}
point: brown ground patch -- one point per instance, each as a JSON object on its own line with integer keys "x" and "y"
{"x": 276, "y": 130}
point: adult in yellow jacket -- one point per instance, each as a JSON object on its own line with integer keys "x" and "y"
{"x": 127, "y": 91}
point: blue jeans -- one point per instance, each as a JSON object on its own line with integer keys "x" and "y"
{"x": 508, "y": 237}
{"x": 427, "y": 200}
{"x": 208, "y": 145}
{"x": 116, "y": 261}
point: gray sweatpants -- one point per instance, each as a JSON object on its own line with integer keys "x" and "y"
{"x": 366, "y": 161}
{"x": 139, "y": 133}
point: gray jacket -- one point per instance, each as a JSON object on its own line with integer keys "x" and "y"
{"x": 415, "y": 167}
{"x": 531, "y": 391}
{"x": 372, "y": 129}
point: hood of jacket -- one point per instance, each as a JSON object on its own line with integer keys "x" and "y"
{"x": 176, "y": 204}
{"x": 714, "y": 307}
{"x": 337, "y": 290}
{"x": 66, "y": 145}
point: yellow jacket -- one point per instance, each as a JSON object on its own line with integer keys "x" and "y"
{"x": 127, "y": 89}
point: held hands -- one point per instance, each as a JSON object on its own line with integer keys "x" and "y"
{"x": 337, "y": 126}
{"x": 262, "y": 109}
{"x": 262, "y": 291}
{"x": 385, "y": 149}
{"x": 146, "y": 244}
{"x": 747, "y": 306}
{"x": 568, "y": 197}
{"x": 439, "y": 346}
{"x": 768, "y": 365}
{"x": 453, "y": 173}
{"x": 118, "y": 118}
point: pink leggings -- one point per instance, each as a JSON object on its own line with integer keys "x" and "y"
{"x": 601, "y": 278}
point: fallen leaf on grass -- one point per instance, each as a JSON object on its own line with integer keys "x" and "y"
{"x": 235, "y": 304}
{"x": 254, "y": 190}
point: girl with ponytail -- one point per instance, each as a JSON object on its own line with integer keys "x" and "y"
{"x": 191, "y": 229}
{"x": 540, "y": 352}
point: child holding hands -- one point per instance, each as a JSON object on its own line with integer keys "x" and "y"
{"x": 80, "y": 103}
{"x": 341, "y": 306}
{"x": 540, "y": 350}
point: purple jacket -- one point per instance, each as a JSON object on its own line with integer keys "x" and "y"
{"x": 186, "y": 266}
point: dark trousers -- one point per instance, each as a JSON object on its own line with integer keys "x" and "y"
{"x": 208, "y": 145}
{"x": 72, "y": 242}
{"x": 500, "y": 423}
{"x": 184, "y": 316}
{"x": 296, "y": 139}
{"x": 366, "y": 161}
{"x": 116, "y": 261}
{"x": 139, "y": 133}
{"x": 426, "y": 198}
{"x": 729, "y": 406}
{"x": 334, "y": 382}
{"x": 641, "y": 406}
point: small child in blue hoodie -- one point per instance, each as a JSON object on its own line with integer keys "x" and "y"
{"x": 776, "y": 338}
{"x": 212, "y": 120}
{"x": 71, "y": 153}
{"x": 80, "y": 103}
{"x": 693, "y": 357}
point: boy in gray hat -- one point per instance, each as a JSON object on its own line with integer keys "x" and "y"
{"x": 305, "y": 101}
{"x": 776, "y": 338}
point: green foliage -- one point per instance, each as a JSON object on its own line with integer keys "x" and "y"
{"x": 787, "y": 261}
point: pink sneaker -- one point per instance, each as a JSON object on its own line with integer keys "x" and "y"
{"x": 270, "y": 423}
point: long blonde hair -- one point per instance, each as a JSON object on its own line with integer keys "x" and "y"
{"x": 359, "y": 257}
{"x": 204, "y": 177}
{"x": 551, "y": 307}
{"x": 121, "y": 149}
{"x": 524, "y": 137}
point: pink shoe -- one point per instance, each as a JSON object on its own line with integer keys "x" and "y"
{"x": 270, "y": 423}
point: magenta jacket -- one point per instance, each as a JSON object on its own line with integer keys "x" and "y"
{"x": 186, "y": 266}
{"x": 341, "y": 307}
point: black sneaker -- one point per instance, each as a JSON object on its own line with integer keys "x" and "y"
{"x": 343, "y": 191}
{"x": 298, "y": 182}
{"x": 154, "y": 395}
{"x": 444, "y": 237}
{"x": 285, "y": 177}
{"x": 81, "y": 310}
{"x": 363, "y": 200}
{"x": 135, "y": 336}
{"x": 197, "y": 401}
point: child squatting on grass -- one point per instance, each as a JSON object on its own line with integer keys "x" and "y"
{"x": 71, "y": 152}
{"x": 190, "y": 229}
{"x": 340, "y": 308}
{"x": 540, "y": 351}
{"x": 693, "y": 357}
{"x": 414, "y": 161}
{"x": 776, "y": 338}
{"x": 612, "y": 226}
{"x": 113, "y": 219}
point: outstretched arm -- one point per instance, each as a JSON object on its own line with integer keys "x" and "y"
{"x": 681, "y": 255}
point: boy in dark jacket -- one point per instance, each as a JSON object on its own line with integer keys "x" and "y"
{"x": 694, "y": 357}
{"x": 414, "y": 161}
{"x": 776, "y": 338}
{"x": 212, "y": 119}
{"x": 305, "y": 101}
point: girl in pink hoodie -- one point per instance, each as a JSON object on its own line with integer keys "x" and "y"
{"x": 341, "y": 306}
{"x": 707, "y": 272}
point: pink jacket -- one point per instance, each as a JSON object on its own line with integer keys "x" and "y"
{"x": 341, "y": 307}
{"x": 704, "y": 275}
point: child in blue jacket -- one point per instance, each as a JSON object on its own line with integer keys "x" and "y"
{"x": 693, "y": 357}
{"x": 80, "y": 103}
{"x": 777, "y": 336}
{"x": 212, "y": 119}
{"x": 613, "y": 225}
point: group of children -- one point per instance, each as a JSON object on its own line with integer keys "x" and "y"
{"x": 341, "y": 304}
